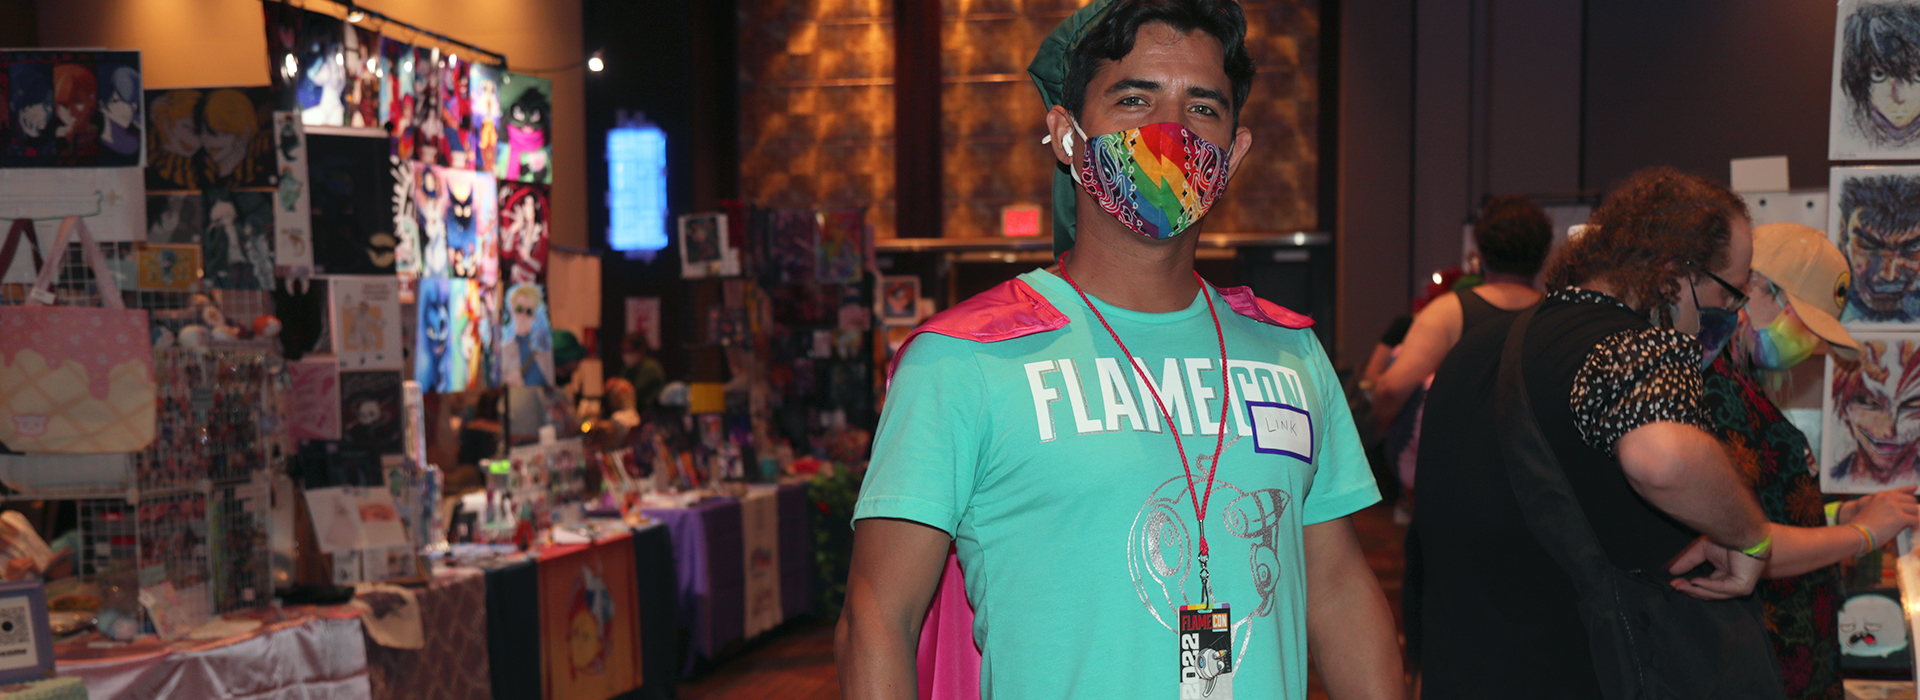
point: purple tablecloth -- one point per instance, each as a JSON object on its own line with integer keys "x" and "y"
{"x": 708, "y": 554}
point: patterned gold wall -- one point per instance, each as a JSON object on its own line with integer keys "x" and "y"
{"x": 994, "y": 121}
{"x": 817, "y": 111}
{"x": 816, "y": 105}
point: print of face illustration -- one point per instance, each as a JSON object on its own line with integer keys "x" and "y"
{"x": 1880, "y": 71}
{"x": 1879, "y": 400}
{"x": 1880, "y": 233}
{"x": 1872, "y": 625}
{"x": 230, "y": 126}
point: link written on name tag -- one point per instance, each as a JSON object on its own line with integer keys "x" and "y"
{"x": 1281, "y": 429}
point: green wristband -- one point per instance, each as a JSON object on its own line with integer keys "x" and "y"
{"x": 1759, "y": 550}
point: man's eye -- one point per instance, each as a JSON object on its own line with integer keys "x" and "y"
{"x": 1133, "y": 100}
{"x": 1204, "y": 109}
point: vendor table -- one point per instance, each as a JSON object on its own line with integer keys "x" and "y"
{"x": 453, "y": 664}
{"x": 655, "y": 581}
{"x": 312, "y": 653}
{"x": 713, "y": 560}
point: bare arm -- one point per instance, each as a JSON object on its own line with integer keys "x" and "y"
{"x": 1433, "y": 333}
{"x": 896, "y": 565}
{"x": 1349, "y": 626}
{"x": 1798, "y": 550}
{"x": 1685, "y": 473}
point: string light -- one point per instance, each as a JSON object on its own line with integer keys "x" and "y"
{"x": 355, "y": 16}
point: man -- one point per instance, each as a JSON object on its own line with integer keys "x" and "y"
{"x": 1061, "y": 429}
{"x": 1617, "y": 398}
{"x": 1880, "y": 72}
{"x": 33, "y": 117}
{"x": 1880, "y": 232}
{"x": 1875, "y": 400}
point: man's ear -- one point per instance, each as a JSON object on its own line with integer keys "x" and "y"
{"x": 1061, "y": 135}
{"x": 1242, "y": 142}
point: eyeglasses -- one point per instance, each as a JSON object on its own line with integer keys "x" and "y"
{"x": 1739, "y": 297}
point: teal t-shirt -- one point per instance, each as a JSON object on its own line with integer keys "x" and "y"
{"x": 1048, "y": 461}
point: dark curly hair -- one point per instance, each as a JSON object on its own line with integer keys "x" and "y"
{"x": 1513, "y": 235}
{"x": 1111, "y": 39}
{"x": 1657, "y": 222}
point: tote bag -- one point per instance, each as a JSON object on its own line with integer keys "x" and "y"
{"x": 74, "y": 379}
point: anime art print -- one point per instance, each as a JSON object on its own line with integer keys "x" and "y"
{"x": 293, "y": 201}
{"x": 360, "y": 96}
{"x": 70, "y": 109}
{"x": 166, "y": 267}
{"x": 396, "y": 89}
{"x": 842, "y": 252}
{"x": 417, "y": 123}
{"x": 313, "y": 404}
{"x": 523, "y": 232}
{"x": 1874, "y": 114}
{"x": 210, "y": 137}
{"x": 307, "y": 59}
{"x": 527, "y": 112}
{"x": 456, "y": 114}
{"x": 370, "y": 410}
{"x": 455, "y": 334}
{"x": 352, "y": 205}
{"x": 705, "y": 250}
{"x": 175, "y": 218}
{"x": 366, "y": 322}
{"x": 1874, "y": 217}
{"x": 525, "y": 352}
{"x": 484, "y": 113}
{"x": 455, "y": 221}
{"x": 1872, "y": 416}
{"x": 237, "y": 245}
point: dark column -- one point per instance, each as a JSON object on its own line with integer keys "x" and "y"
{"x": 916, "y": 112}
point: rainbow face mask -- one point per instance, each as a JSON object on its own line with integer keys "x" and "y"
{"x": 1783, "y": 343}
{"x": 1157, "y": 180}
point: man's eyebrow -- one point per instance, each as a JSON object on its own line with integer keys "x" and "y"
{"x": 1209, "y": 94}
{"x": 1125, "y": 84}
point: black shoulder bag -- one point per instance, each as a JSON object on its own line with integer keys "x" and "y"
{"x": 1649, "y": 642}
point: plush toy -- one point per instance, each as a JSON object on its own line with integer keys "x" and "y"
{"x": 266, "y": 327}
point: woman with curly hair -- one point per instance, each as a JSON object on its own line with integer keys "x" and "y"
{"x": 1611, "y": 361}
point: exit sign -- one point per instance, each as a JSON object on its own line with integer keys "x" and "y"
{"x": 1020, "y": 220}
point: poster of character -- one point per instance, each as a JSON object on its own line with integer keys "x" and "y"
{"x": 842, "y": 252}
{"x": 525, "y": 351}
{"x": 293, "y": 201}
{"x": 523, "y": 232}
{"x": 370, "y": 410}
{"x": 1874, "y": 218}
{"x": 455, "y": 334}
{"x": 1872, "y": 416}
{"x": 527, "y": 109}
{"x": 456, "y": 113}
{"x": 237, "y": 246}
{"x": 110, "y": 200}
{"x": 396, "y": 88}
{"x": 899, "y": 300}
{"x": 360, "y": 96}
{"x": 352, "y": 186}
{"x": 320, "y": 71}
{"x": 704, "y": 248}
{"x": 313, "y": 403}
{"x": 69, "y": 109}
{"x": 1876, "y": 68}
{"x": 366, "y": 322}
{"x": 484, "y": 120}
{"x": 478, "y": 326}
{"x": 792, "y": 234}
{"x": 210, "y": 137}
{"x": 175, "y": 218}
{"x": 166, "y": 267}
{"x": 455, "y": 222}
{"x": 1874, "y": 631}
{"x": 425, "y": 133}
{"x": 643, "y": 319}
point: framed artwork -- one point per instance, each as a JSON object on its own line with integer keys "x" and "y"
{"x": 1871, "y": 429}
{"x": 899, "y": 300}
{"x": 1873, "y": 115}
{"x": 704, "y": 248}
{"x": 1874, "y": 217}
{"x": 70, "y": 109}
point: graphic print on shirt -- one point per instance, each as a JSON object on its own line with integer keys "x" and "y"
{"x": 1101, "y": 397}
{"x": 1163, "y": 543}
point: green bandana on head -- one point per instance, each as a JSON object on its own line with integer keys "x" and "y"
{"x": 1049, "y": 72}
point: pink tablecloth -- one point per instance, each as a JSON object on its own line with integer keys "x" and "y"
{"x": 313, "y": 655}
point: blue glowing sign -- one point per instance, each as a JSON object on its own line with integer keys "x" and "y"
{"x": 637, "y": 188}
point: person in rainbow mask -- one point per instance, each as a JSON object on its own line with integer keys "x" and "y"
{"x": 1798, "y": 285}
{"x": 1041, "y": 428}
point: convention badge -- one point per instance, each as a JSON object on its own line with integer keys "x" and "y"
{"x": 1206, "y": 658}
{"x": 1281, "y": 430}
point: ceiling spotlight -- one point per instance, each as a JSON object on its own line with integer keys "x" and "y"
{"x": 595, "y": 64}
{"x": 355, "y": 16}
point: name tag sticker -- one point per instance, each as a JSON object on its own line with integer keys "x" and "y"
{"x": 1281, "y": 430}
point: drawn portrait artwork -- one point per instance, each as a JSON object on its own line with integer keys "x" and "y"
{"x": 210, "y": 137}
{"x": 366, "y": 321}
{"x": 1872, "y": 410}
{"x": 525, "y": 351}
{"x": 370, "y": 411}
{"x": 455, "y": 334}
{"x": 419, "y": 127}
{"x": 526, "y": 109}
{"x": 360, "y": 96}
{"x": 452, "y": 218}
{"x": 396, "y": 88}
{"x": 352, "y": 204}
{"x": 705, "y": 250}
{"x": 308, "y": 63}
{"x": 237, "y": 244}
{"x": 69, "y": 109}
{"x": 175, "y": 218}
{"x": 483, "y": 123}
{"x": 523, "y": 232}
{"x": 1875, "y": 220}
{"x": 1875, "y": 114}
{"x": 455, "y": 115}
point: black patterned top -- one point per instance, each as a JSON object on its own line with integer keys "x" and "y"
{"x": 1633, "y": 378}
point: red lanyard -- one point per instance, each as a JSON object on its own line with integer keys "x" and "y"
{"x": 1226, "y": 400}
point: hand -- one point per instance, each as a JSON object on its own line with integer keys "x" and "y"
{"x": 1885, "y": 513}
{"x": 1734, "y": 574}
